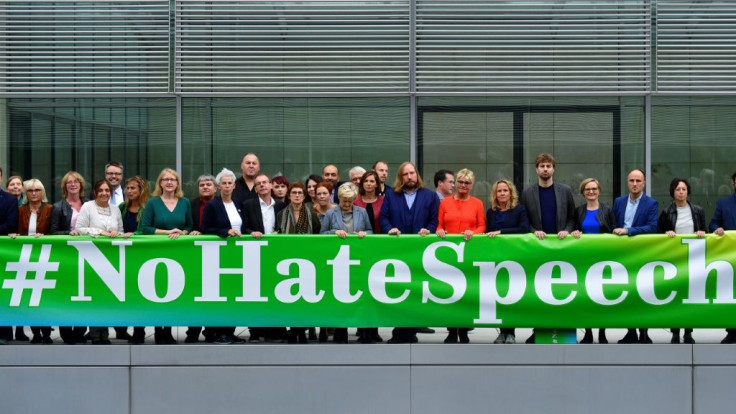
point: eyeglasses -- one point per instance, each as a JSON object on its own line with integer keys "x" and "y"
{"x": 297, "y": 193}
{"x": 464, "y": 183}
{"x": 113, "y": 173}
{"x": 72, "y": 182}
{"x": 590, "y": 190}
{"x": 169, "y": 180}
{"x": 262, "y": 182}
{"x": 33, "y": 190}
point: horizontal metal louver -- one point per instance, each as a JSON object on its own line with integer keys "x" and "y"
{"x": 696, "y": 46}
{"x": 84, "y": 46}
{"x": 492, "y": 46}
{"x": 292, "y": 46}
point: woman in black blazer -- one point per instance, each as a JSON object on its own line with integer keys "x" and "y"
{"x": 593, "y": 217}
{"x": 223, "y": 216}
{"x": 506, "y": 216}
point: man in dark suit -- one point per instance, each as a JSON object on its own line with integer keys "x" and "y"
{"x": 8, "y": 224}
{"x": 408, "y": 208}
{"x": 636, "y": 213}
{"x": 259, "y": 218}
{"x": 207, "y": 189}
{"x": 550, "y": 206}
{"x": 381, "y": 168}
{"x": 724, "y": 218}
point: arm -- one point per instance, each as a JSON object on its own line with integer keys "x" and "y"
{"x": 522, "y": 222}
{"x": 326, "y": 227}
{"x": 433, "y": 209}
{"x": 570, "y": 201}
{"x": 11, "y": 217}
{"x": 717, "y": 221}
{"x": 57, "y": 215}
{"x": 84, "y": 222}
{"x": 480, "y": 218}
{"x": 384, "y": 217}
{"x": 149, "y": 217}
{"x": 188, "y": 224}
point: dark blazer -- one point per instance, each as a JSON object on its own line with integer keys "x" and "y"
{"x": 335, "y": 198}
{"x": 253, "y": 218}
{"x": 605, "y": 217}
{"x": 645, "y": 219}
{"x": 725, "y": 214}
{"x": 565, "y": 207}
{"x": 668, "y": 218}
{"x": 517, "y": 221}
{"x": 61, "y": 217}
{"x": 215, "y": 219}
{"x": 333, "y": 220}
{"x": 423, "y": 213}
{"x": 8, "y": 213}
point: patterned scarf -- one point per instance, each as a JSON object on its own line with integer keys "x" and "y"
{"x": 302, "y": 226}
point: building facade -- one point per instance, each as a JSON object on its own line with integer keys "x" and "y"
{"x": 605, "y": 86}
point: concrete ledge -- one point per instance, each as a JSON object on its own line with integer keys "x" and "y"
{"x": 270, "y": 355}
{"x": 65, "y": 355}
{"x": 488, "y": 354}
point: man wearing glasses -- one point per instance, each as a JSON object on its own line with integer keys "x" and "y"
{"x": 114, "y": 176}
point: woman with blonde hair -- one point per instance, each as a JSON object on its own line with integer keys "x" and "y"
{"x": 593, "y": 217}
{"x": 34, "y": 219}
{"x": 63, "y": 219}
{"x": 169, "y": 213}
{"x": 461, "y": 213}
{"x": 506, "y": 216}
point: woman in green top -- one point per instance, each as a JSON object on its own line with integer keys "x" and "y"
{"x": 168, "y": 212}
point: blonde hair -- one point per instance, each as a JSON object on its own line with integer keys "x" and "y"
{"x": 178, "y": 193}
{"x": 513, "y": 202}
{"x": 77, "y": 176}
{"x": 465, "y": 173}
{"x": 588, "y": 181}
{"x": 348, "y": 191}
{"x": 31, "y": 184}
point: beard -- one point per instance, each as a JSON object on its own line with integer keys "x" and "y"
{"x": 410, "y": 185}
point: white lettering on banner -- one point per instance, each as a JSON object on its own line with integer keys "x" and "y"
{"x": 147, "y": 280}
{"x": 488, "y": 288}
{"x": 645, "y": 282}
{"x": 698, "y": 274}
{"x": 250, "y": 271}
{"x": 113, "y": 278}
{"x": 544, "y": 279}
{"x": 378, "y": 278}
{"x": 341, "y": 276}
{"x": 594, "y": 282}
{"x": 25, "y": 265}
{"x": 444, "y": 273}
{"x": 305, "y": 282}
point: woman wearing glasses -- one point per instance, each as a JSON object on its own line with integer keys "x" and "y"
{"x": 297, "y": 218}
{"x": 461, "y": 214}
{"x": 593, "y": 217}
{"x": 168, "y": 212}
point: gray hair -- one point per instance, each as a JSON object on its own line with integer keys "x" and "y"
{"x": 356, "y": 170}
{"x": 348, "y": 191}
{"x": 205, "y": 177}
{"x": 224, "y": 173}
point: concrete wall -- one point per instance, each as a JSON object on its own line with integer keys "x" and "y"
{"x": 419, "y": 378}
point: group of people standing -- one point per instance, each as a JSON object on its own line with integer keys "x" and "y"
{"x": 255, "y": 204}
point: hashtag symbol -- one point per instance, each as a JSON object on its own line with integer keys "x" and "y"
{"x": 22, "y": 268}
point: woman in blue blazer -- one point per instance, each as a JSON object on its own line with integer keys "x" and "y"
{"x": 342, "y": 220}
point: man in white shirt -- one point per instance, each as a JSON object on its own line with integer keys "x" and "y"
{"x": 114, "y": 176}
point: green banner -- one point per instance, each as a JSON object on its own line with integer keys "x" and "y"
{"x": 285, "y": 280}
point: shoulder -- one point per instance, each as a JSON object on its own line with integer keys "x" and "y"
{"x": 563, "y": 187}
